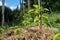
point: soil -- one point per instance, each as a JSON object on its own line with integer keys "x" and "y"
{"x": 31, "y": 33}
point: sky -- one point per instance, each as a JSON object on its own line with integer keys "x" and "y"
{"x": 11, "y": 3}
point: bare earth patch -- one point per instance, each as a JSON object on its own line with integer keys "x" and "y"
{"x": 31, "y": 33}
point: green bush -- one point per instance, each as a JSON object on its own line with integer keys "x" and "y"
{"x": 17, "y": 31}
{"x": 57, "y": 37}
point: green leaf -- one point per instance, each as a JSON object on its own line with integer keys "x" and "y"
{"x": 36, "y": 18}
{"x": 31, "y": 10}
{"x": 41, "y": 9}
{"x": 45, "y": 17}
{"x": 46, "y": 9}
{"x": 36, "y": 6}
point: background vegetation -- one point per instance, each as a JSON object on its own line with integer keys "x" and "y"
{"x": 30, "y": 16}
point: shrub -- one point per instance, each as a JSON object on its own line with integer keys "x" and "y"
{"x": 57, "y": 37}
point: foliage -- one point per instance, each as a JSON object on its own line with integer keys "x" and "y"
{"x": 17, "y": 31}
{"x": 32, "y": 17}
{"x": 1, "y": 31}
{"x": 37, "y": 9}
{"x": 57, "y": 37}
{"x": 51, "y": 5}
{"x": 54, "y": 19}
{"x": 26, "y": 20}
{"x": 17, "y": 17}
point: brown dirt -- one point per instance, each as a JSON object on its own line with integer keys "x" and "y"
{"x": 32, "y": 33}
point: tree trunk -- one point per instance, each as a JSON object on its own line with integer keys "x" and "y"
{"x": 39, "y": 3}
{"x": 3, "y": 2}
{"x": 28, "y": 4}
{"x": 21, "y": 6}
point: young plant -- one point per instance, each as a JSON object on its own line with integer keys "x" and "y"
{"x": 33, "y": 16}
{"x": 36, "y": 11}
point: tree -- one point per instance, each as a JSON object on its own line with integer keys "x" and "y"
{"x": 7, "y": 15}
{"x": 21, "y": 6}
{"x": 3, "y": 3}
{"x": 28, "y": 4}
